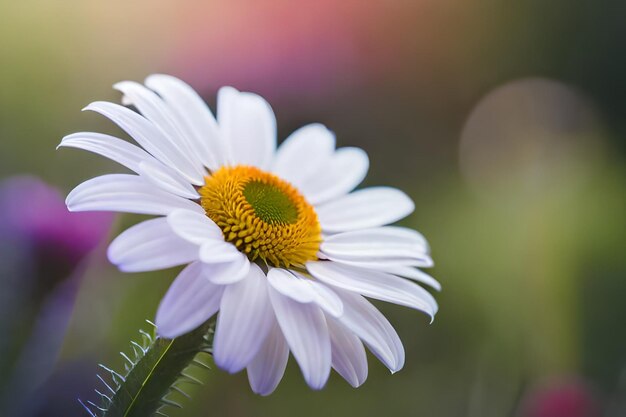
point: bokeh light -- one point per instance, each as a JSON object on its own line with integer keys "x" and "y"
{"x": 531, "y": 134}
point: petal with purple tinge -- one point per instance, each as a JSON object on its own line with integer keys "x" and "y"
{"x": 227, "y": 272}
{"x": 190, "y": 301}
{"x": 306, "y": 332}
{"x": 371, "y": 326}
{"x": 374, "y": 284}
{"x": 268, "y": 366}
{"x": 194, "y": 226}
{"x": 348, "y": 353}
{"x": 150, "y": 245}
{"x": 243, "y": 323}
{"x": 305, "y": 290}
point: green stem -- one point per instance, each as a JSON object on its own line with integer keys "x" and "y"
{"x": 155, "y": 373}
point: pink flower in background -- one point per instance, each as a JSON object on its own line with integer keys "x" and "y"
{"x": 568, "y": 398}
{"x": 282, "y": 51}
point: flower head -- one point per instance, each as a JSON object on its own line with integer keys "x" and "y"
{"x": 275, "y": 241}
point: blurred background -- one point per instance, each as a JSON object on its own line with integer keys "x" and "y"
{"x": 505, "y": 121}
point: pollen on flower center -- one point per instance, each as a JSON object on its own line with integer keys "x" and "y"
{"x": 262, "y": 215}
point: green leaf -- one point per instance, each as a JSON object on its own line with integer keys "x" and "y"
{"x": 153, "y": 373}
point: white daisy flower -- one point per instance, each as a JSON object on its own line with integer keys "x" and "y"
{"x": 275, "y": 241}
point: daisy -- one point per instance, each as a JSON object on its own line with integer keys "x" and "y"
{"x": 275, "y": 241}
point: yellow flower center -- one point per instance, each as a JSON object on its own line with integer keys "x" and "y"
{"x": 262, "y": 215}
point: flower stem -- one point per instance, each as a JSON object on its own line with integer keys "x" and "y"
{"x": 156, "y": 371}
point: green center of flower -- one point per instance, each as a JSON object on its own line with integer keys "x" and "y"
{"x": 270, "y": 203}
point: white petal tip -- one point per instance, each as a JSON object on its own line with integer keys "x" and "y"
{"x": 319, "y": 382}
{"x": 428, "y": 263}
{"x": 317, "y": 387}
{"x": 356, "y": 384}
{"x": 165, "y": 330}
{"x": 168, "y": 329}
{"x": 69, "y": 202}
{"x": 167, "y": 334}
{"x": 231, "y": 368}
{"x": 353, "y": 381}
{"x": 120, "y": 85}
{"x": 227, "y": 89}
{"x": 123, "y": 268}
{"x": 159, "y": 77}
{"x": 264, "y": 391}
{"x": 397, "y": 368}
{"x": 226, "y": 362}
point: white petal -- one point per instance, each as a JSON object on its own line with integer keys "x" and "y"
{"x": 370, "y": 207}
{"x": 306, "y": 332}
{"x": 153, "y": 108}
{"x": 384, "y": 244}
{"x": 400, "y": 270}
{"x": 166, "y": 179}
{"x": 150, "y": 245}
{"x": 305, "y": 290}
{"x": 125, "y": 193}
{"x": 244, "y": 320}
{"x": 193, "y": 116}
{"x": 343, "y": 172}
{"x": 194, "y": 227}
{"x": 268, "y": 366}
{"x": 190, "y": 301}
{"x": 348, "y": 353}
{"x": 407, "y": 272}
{"x": 373, "y": 328}
{"x": 304, "y": 153}
{"x": 108, "y": 146}
{"x": 218, "y": 251}
{"x": 151, "y": 139}
{"x": 228, "y": 272}
{"x": 392, "y": 235}
{"x": 374, "y": 284}
{"x": 248, "y": 126}
{"x": 382, "y": 264}
{"x": 134, "y": 158}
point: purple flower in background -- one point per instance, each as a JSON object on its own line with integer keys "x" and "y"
{"x": 42, "y": 246}
{"x": 34, "y": 217}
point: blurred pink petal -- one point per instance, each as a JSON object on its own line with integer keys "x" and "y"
{"x": 569, "y": 398}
